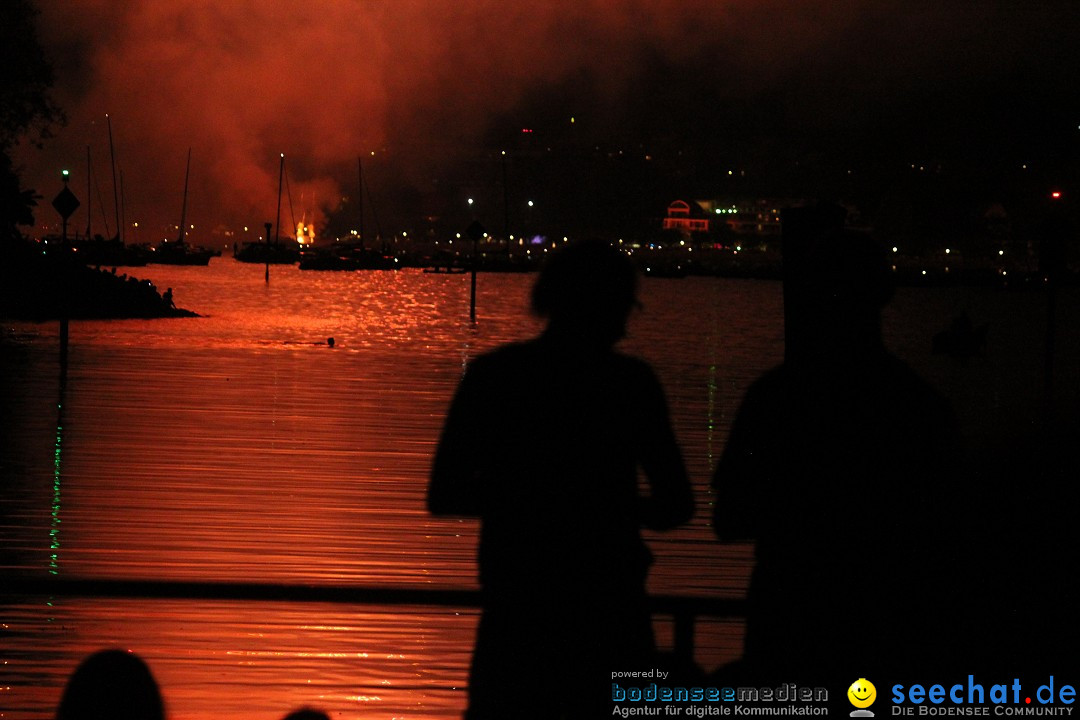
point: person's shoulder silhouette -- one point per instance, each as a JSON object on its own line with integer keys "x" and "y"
{"x": 543, "y": 442}
{"x": 111, "y": 684}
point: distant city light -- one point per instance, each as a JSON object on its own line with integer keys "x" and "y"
{"x": 530, "y": 203}
{"x": 1001, "y": 252}
{"x": 470, "y": 201}
{"x": 65, "y": 173}
{"x": 895, "y": 249}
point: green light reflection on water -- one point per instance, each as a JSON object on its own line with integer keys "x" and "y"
{"x": 54, "y": 528}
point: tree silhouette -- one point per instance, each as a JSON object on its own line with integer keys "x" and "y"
{"x": 27, "y": 112}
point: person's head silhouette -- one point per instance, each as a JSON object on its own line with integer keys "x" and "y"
{"x": 586, "y": 291}
{"x": 307, "y": 714}
{"x": 846, "y": 281}
{"x": 111, "y": 684}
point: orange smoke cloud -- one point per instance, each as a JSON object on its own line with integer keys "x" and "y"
{"x": 240, "y": 81}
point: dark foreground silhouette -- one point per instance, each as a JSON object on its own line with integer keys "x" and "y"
{"x": 111, "y": 684}
{"x": 842, "y": 465}
{"x": 307, "y": 714}
{"x": 34, "y": 286}
{"x": 543, "y": 443}
{"x": 118, "y": 685}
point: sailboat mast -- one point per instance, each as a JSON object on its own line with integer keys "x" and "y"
{"x": 123, "y": 213}
{"x": 183, "y": 210}
{"x": 506, "y": 207}
{"x": 116, "y": 197}
{"x": 277, "y": 222}
{"x": 89, "y": 215}
{"x": 375, "y": 217}
{"x": 360, "y": 168}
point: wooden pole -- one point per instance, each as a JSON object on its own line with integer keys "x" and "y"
{"x": 472, "y": 292}
{"x": 267, "y": 256}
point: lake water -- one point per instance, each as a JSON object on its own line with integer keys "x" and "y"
{"x": 240, "y": 447}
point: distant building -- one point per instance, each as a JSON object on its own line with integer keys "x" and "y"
{"x": 740, "y": 216}
{"x": 746, "y": 216}
{"x": 686, "y": 218}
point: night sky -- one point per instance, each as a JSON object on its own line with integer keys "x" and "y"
{"x": 630, "y": 104}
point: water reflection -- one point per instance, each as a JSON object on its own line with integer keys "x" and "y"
{"x": 234, "y": 448}
{"x": 58, "y": 463}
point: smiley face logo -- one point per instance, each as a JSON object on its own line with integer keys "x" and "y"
{"x": 862, "y": 693}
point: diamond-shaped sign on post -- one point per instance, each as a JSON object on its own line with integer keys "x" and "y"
{"x": 65, "y": 203}
{"x": 475, "y": 231}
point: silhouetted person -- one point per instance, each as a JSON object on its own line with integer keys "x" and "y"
{"x": 111, "y": 685}
{"x": 841, "y": 465}
{"x": 307, "y": 714}
{"x": 543, "y": 442}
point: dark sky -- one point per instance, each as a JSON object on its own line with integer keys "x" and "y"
{"x": 434, "y": 87}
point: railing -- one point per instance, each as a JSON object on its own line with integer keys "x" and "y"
{"x": 683, "y": 610}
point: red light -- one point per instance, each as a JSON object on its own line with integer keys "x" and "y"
{"x": 1056, "y": 195}
{"x": 526, "y": 130}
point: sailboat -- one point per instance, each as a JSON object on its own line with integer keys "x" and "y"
{"x": 180, "y": 252}
{"x": 270, "y": 252}
{"x": 96, "y": 250}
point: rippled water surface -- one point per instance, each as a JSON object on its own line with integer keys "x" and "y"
{"x": 241, "y": 447}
